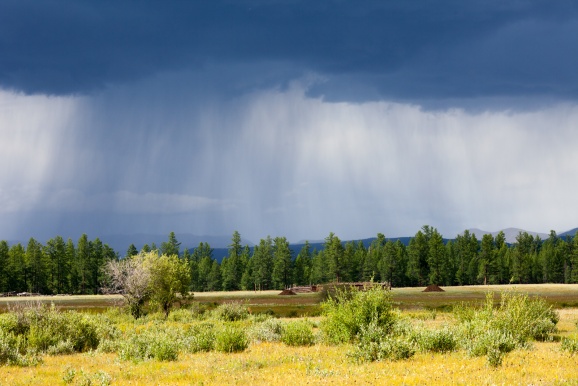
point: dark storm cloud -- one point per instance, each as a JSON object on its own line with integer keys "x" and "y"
{"x": 413, "y": 50}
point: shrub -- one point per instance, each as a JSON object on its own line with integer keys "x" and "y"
{"x": 187, "y": 315}
{"x": 63, "y": 347}
{"x": 569, "y": 344}
{"x": 108, "y": 346}
{"x": 50, "y": 329}
{"x": 486, "y": 341}
{"x": 379, "y": 343}
{"x": 231, "y": 312}
{"x": 497, "y": 331}
{"x": 495, "y": 357}
{"x": 151, "y": 344}
{"x": 525, "y": 317}
{"x": 268, "y": 330}
{"x": 349, "y": 311}
{"x": 376, "y": 345}
{"x": 231, "y": 339}
{"x": 164, "y": 348}
{"x": 8, "y": 348}
{"x": 441, "y": 341}
{"x": 15, "y": 323}
{"x": 297, "y": 334}
{"x": 13, "y": 351}
{"x": 199, "y": 338}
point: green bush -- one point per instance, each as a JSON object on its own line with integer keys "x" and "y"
{"x": 231, "y": 339}
{"x": 187, "y": 315}
{"x": 8, "y": 348}
{"x": 441, "y": 341}
{"x": 495, "y": 357}
{"x": 348, "y": 312}
{"x": 495, "y": 331}
{"x": 50, "y": 329}
{"x": 164, "y": 349}
{"x": 199, "y": 338}
{"x": 13, "y": 351}
{"x": 268, "y": 330}
{"x": 526, "y": 318}
{"x": 517, "y": 315}
{"x": 231, "y": 312}
{"x": 109, "y": 345}
{"x": 485, "y": 341}
{"x": 62, "y": 347}
{"x": 151, "y": 344}
{"x": 380, "y": 343}
{"x": 569, "y": 344}
{"x": 297, "y": 334}
{"x": 15, "y": 323}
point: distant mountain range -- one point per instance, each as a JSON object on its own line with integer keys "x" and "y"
{"x": 120, "y": 243}
{"x": 512, "y": 233}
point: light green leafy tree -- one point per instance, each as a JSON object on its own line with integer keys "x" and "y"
{"x": 170, "y": 278}
{"x": 148, "y": 277}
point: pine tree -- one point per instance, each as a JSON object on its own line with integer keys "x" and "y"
{"x": 449, "y": 268}
{"x": 36, "y": 262}
{"x": 171, "y": 247}
{"x": 59, "y": 265}
{"x": 205, "y": 266}
{"x": 319, "y": 268}
{"x": 521, "y": 259}
{"x": 131, "y": 251}
{"x": 263, "y": 264}
{"x": 4, "y": 265}
{"x": 247, "y": 282}
{"x": 214, "y": 279}
{"x": 281, "y": 274}
{"x": 436, "y": 257}
{"x": 487, "y": 260}
{"x": 370, "y": 267}
{"x": 17, "y": 280}
{"x": 333, "y": 251}
{"x": 82, "y": 264}
{"x": 466, "y": 249}
{"x": 202, "y": 251}
{"x": 70, "y": 284}
{"x": 574, "y": 260}
{"x": 232, "y": 269}
{"x": 418, "y": 251}
{"x": 95, "y": 265}
{"x": 356, "y": 269}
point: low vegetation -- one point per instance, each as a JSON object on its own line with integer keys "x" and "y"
{"x": 356, "y": 329}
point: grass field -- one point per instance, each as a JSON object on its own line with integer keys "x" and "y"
{"x": 276, "y": 363}
{"x": 558, "y": 295}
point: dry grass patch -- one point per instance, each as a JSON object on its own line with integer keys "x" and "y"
{"x": 277, "y": 364}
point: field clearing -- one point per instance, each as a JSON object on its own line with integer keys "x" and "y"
{"x": 277, "y": 364}
{"x": 558, "y": 295}
{"x": 274, "y": 363}
{"x": 76, "y": 302}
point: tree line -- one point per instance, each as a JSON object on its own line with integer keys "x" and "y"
{"x": 65, "y": 267}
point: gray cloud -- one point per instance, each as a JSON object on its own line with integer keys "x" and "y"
{"x": 365, "y": 50}
{"x": 293, "y": 118}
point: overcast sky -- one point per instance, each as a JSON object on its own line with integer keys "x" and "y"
{"x": 287, "y": 118}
